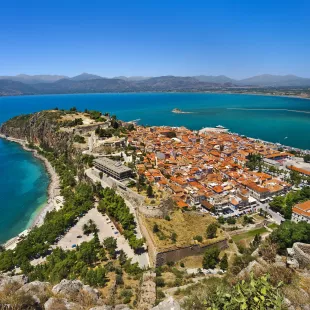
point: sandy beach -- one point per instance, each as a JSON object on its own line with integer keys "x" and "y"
{"x": 53, "y": 191}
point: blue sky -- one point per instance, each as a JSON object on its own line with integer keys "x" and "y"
{"x": 152, "y": 38}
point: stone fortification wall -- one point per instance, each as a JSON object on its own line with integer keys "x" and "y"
{"x": 149, "y": 241}
{"x": 150, "y": 211}
{"x": 175, "y": 255}
{"x": 86, "y": 128}
{"x": 302, "y": 254}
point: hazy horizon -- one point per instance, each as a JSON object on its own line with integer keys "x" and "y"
{"x": 149, "y": 76}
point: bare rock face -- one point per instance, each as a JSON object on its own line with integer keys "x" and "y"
{"x": 168, "y": 304}
{"x": 39, "y": 128}
{"x": 5, "y": 280}
{"x": 68, "y": 287}
{"x": 254, "y": 265}
{"x": 75, "y": 288}
{"x": 147, "y": 291}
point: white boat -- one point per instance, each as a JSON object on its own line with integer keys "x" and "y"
{"x": 220, "y": 126}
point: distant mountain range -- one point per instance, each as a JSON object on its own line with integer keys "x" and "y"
{"x": 87, "y": 83}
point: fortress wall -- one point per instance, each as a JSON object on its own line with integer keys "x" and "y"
{"x": 175, "y": 255}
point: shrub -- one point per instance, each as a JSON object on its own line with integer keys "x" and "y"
{"x": 231, "y": 221}
{"x": 221, "y": 220}
{"x": 160, "y": 294}
{"x": 155, "y": 228}
{"x": 177, "y": 282}
{"x": 253, "y": 294}
{"x": 173, "y": 237}
{"x": 167, "y": 218}
{"x": 198, "y": 238}
{"x": 160, "y": 282}
{"x": 268, "y": 251}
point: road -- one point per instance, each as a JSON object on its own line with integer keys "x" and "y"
{"x": 278, "y": 218}
{"x": 142, "y": 259}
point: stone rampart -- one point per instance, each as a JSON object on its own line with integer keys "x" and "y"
{"x": 177, "y": 254}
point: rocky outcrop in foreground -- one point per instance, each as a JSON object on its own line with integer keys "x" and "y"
{"x": 17, "y": 293}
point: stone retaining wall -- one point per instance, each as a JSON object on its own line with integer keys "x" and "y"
{"x": 175, "y": 255}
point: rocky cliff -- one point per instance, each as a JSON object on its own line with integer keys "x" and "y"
{"x": 40, "y": 128}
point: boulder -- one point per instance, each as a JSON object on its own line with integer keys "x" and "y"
{"x": 168, "y": 304}
{"x": 38, "y": 290}
{"x": 254, "y": 265}
{"x": 102, "y": 308}
{"x": 68, "y": 287}
{"x": 61, "y": 304}
{"x": 35, "y": 287}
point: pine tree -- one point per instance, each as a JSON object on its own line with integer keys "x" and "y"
{"x": 224, "y": 262}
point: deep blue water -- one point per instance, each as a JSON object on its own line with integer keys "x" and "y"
{"x": 27, "y": 187}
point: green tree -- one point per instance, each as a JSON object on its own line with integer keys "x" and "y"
{"x": 149, "y": 191}
{"x": 256, "y": 241}
{"x": 231, "y": 221}
{"x": 307, "y": 158}
{"x": 211, "y": 231}
{"x": 290, "y": 232}
{"x": 155, "y": 228}
{"x": 211, "y": 258}
{"x": 122, "y": 257}
{"x": 224, "y": 262}
{"x": 110, "y": 244}
{"x": 221, "y": 219}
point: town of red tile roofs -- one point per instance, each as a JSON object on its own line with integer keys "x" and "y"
{"x": 206, "y": 167}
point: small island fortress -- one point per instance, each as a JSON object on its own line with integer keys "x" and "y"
{"x": 176, "y": 110}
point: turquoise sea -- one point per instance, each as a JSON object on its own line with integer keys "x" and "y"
{"x": 24, "y": 182}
